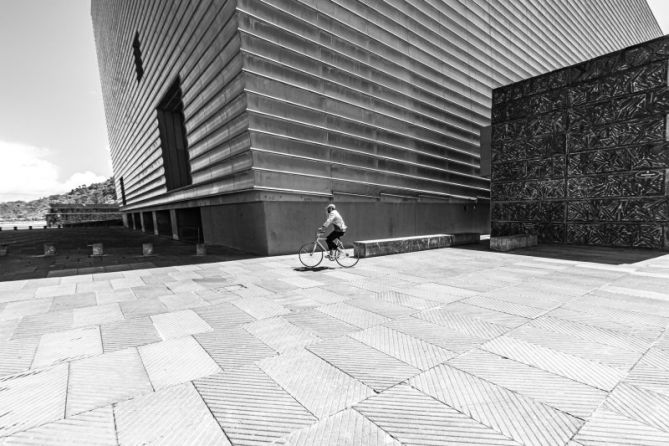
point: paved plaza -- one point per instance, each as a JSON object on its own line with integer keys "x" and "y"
{"x": 443, "y": 347}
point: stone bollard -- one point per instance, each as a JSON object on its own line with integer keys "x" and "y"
{"x": 200, "y": 249}
{"x": 49, "y": 249}
{"x": 3, "y": 250}
{"x": 147, "y": 249}
{"x": 97, "y": 249}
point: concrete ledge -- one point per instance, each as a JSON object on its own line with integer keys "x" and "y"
{"x": 509, "y": 242}
{"x": 372, "y": 248}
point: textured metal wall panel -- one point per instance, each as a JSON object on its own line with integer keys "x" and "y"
{"x": 600, "y": 176}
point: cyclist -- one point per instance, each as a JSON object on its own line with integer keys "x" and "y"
{"x": 337, "y": 221}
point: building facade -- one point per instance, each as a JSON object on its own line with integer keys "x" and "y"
{"x": 239, "y": 120}
{"x": 581, "y": 155}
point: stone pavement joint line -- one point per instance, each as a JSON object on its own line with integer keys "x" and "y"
{"x": 441, "y": 347}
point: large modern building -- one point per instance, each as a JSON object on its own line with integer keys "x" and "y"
{"x": 236, "y": 121}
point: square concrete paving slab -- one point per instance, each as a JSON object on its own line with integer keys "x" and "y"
{"x": 609, "y": 428}
{"x": 353, "y": 315}
{"x": 17, "y": 355}
{"x": 16, "y": 295}
{"x": 347, "y": 428}
{"x": 485, "y": 314}
{"x": 52, "y": 291}
{"x": 223, "y": 315}
{"x": 408, "y": 349}
{"x": 142, "y": 308}
{"x": 572, "y": 397}
{"x": 523, "y": 419}
{"x": 73, "y": 301}
{"x": 150, "y": 291}
{"x": 446, "y": 338}
{"x": 463, "y": 323}
{"x": 280, "y": 334}
{"x": 525, "y": 311}
{"x": 366, "y": 364}
{"x": 67, "y": 346}
{"x": 32, "y": 398}
{"x": 7, "y": 329}
{"x": 94, "y": 428}
{"x": 184, "y": 286}
{"x": 39, "y": 324}
{"x": 17, "y": 310}
{"x": 128, "y": 333}
{"x": 380, "y": 307}
{"x": 405, "y": 300}
{"x": 33, "y": 284}
{"x": 260, "y": 307}
{"x": 233, "y": 348}
{"x": 320, "y": 324}
{"x": 614, "y": 357}
{"x": 443, "y": 294}
{"x": 324, "y": 296}
{"x": 176, "y": 361}
{"x": 179, "y": 324}
{"x": 588, "y": 372}
{"x": 182, "y": 301}
{"x": 414, "y": 418}
{"x": 239, "y": 401}
{"x": 115, "y": 296}
{"x": 96, "y": 315}
{"x": 87, "y": 287}
{"x": 642, "y": 405}
{"x": 125, "y": 283}
{"x": 104, "y": 380}
{"x": 177, "y": 417}
{"x": 318, "y": 386}
{"x": 81, "y": 278}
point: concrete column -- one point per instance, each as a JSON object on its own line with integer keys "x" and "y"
{"x": 125, "y": 220}
{"x": 155, "y": 223}
{"x": 173, "y": 221}
{"x": 141, "y": 221}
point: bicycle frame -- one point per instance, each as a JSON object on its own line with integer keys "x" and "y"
{"x": 325, "y": 248}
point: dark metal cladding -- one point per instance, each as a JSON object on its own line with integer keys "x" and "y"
{"x": 586, "y": 161}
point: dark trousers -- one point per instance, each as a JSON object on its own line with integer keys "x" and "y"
{"x": 331, "y": 238}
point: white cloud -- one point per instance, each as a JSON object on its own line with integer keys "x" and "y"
{"x": 25, "y": 174}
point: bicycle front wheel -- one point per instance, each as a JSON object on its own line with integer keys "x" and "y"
{"x": 311, "y": 254}
{"x": 347, "y": 256}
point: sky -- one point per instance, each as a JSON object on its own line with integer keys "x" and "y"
{"x": 53, "y": 135}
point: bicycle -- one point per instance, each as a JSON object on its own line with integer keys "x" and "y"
{"x": 311, "y": 254}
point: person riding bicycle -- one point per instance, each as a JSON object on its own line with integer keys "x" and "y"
{"x": 337, "y": 221}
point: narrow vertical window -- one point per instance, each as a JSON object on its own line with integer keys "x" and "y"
{"x": 174, "y": 145}
{"x": 137, "y": 52}
{"x": 122, "y": 190}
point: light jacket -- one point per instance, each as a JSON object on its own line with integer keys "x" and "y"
{"x": 335, "y": 219}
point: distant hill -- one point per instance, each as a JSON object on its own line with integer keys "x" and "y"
{"x": 98, "y": 193}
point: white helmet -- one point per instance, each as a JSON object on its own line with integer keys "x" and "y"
{"x": 330, "y": 206}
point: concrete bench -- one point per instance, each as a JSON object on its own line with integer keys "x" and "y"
{"x": 510, "y": 242}
{"x": 382, "y": 247}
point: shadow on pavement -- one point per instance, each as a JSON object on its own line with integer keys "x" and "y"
{"x": 580, "y": 253}
{"x": 122, "y": 251}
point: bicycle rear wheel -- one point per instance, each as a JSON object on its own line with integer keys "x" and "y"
{"x": 311, "y": 254}
{"x": 347, "y": 257}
